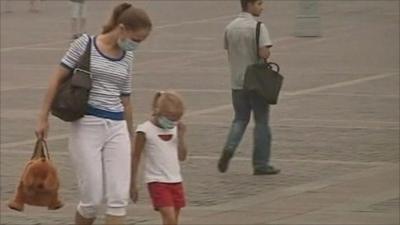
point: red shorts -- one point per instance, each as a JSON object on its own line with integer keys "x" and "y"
{"x": 166, "y": 195}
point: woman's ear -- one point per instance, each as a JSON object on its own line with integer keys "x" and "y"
{"x": 121, "y": 28}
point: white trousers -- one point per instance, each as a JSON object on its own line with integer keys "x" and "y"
{"x": 100, "y": 151}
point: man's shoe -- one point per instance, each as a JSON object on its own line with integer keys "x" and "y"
{"x": 269, "y": 171}
{"x": 223, "y": 162}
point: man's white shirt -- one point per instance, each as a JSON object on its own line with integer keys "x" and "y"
{"x": 240, "y": 42}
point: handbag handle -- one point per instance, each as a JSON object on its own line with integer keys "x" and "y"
{"x": 270, "y": 65}
{"x": 84, "y": 60}
{"x": 41, "y": 150}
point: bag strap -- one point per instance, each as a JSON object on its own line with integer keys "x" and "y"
{"x": 258, "y": 28}
{"x": 258, "y": 31}
{"x": 41, "y": 150}
{"x": 84, "y": 59}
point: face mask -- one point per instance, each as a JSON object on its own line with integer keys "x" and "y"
{"x": 127, "y": 44}
{"x": 165, "y": 123}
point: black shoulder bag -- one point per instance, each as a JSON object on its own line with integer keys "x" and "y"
{"x": 71, "y": 100}
{"x": 264, "y": 78}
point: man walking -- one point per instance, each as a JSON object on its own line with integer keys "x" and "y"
{"x": 240, "y": 42}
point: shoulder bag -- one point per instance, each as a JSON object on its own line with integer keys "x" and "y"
{"x": 264, "y": 78}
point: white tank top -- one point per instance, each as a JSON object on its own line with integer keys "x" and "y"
{"x": 160, "y": 154}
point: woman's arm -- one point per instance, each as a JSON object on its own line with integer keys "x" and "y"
{"x": 128, "y": 110}
{"x": 54, "y": 82}
{"x": 139, "y": 142}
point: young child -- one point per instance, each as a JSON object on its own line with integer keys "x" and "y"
{"x": 161, "y": 139}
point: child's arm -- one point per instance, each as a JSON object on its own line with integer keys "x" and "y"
{"x": 182, "y": 150}
{"x": 139, "y": 141}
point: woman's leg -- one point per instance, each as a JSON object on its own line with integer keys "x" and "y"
{"x": 117, "y": 168}
{"x": 114, "y": 220}
{"x": 80, "y": 220}
{"x": 85, "y": 146}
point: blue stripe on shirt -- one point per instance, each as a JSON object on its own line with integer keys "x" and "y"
{"x": 104, "y": 113}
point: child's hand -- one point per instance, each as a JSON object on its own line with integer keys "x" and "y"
{"x": 134, "y": 193}
{"x": 181, "y": 129}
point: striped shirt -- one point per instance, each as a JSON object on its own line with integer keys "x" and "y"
{"x": 111, "y": 77}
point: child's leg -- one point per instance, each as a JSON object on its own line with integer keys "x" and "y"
{"x": 179, "y": 199}
{"x": 168, "y": 215}
{"x": 177, "y": 211}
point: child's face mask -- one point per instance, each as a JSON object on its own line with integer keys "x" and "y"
{"x": 165, "y": 123}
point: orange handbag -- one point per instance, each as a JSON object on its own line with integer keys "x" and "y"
{"x": 39, "y": 182}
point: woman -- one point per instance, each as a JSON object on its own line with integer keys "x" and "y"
{"x": 100, "y": 142}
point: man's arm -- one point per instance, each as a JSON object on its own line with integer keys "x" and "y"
{"x": 264, "y": 52}
{"x": 265, "y": 43}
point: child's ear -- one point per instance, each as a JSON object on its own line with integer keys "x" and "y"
{"x": 155, "y": 99}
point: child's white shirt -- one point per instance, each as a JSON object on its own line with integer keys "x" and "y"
{"x": 160, "y": 156}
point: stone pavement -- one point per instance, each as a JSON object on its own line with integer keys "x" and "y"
{"x": 335, "y": 129}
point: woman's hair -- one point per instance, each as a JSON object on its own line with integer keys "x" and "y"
{"x": 167, "y": 101}
{"x": 132, "y": 18}
{"x": 245, "y": 2}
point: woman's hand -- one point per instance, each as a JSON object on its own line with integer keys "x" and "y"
{"x": 42, "y": 129}
{"x": 134, "y": 193}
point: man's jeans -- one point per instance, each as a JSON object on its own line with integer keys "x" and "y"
{"x": 243, "y": 103}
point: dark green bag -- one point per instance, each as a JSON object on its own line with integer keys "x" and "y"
{"x": 71, "y": 100}
{"x": 263, "y": 78}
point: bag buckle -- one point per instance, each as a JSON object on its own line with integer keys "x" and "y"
{"x": 271, "y": 66}
{"x": 83, "y": 71}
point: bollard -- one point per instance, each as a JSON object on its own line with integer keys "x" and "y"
{"x": 308, "y": 21}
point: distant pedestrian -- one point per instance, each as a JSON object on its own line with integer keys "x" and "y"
{"x": 34, "y": 6}
{"x": 6, "y": 6}
{"x": 240, "y": 42}
{"x": 100, "y": 142}
{"x": 161, "y": 140}
{"x": 78, "y": 18}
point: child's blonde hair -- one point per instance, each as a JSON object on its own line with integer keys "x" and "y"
{"x": 167, "y": 101}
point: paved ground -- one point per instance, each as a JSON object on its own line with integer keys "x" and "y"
{"x": 335, "y": 130}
